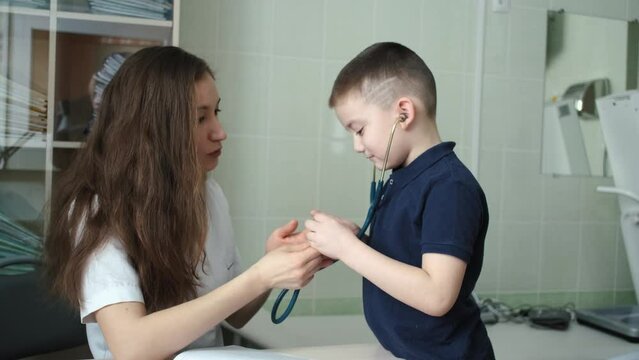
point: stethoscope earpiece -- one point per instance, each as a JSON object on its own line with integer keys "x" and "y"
{"x": 403, "y": 117}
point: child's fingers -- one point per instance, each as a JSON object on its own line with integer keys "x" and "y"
{"x": 310, "y": 225}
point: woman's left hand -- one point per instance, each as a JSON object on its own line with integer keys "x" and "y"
{"x": 328, "y": 234}
{"x": 285, "y": 234}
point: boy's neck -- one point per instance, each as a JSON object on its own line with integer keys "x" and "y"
{"x": 423, "y": 139}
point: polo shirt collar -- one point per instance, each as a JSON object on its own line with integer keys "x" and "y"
{"x": 403, "y": 176}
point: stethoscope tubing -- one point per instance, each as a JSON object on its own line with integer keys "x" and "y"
{"x": 375, "y": 196}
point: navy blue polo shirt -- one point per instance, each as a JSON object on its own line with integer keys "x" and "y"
{"x": 433, "y": 205}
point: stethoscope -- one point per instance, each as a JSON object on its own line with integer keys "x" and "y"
{"x": 375, "y": 196}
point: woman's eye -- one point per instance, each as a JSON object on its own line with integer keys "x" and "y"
{"x": 201, "y": 118}
{"x": 217, "y": 111}
{"x": 360, "y": 131}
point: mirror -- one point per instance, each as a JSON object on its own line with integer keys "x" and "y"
{"x": 586, "y": 58}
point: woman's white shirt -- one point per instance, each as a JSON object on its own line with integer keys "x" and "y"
{"x": 110, "y": 278}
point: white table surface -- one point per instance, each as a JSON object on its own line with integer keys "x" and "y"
{"x": 348, "y": 337}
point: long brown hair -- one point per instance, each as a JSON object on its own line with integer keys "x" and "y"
{"x": 137, "y": 179}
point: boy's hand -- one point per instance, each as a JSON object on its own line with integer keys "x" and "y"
{"x": 285, "y": 235}
{"x": 330, "y": 235}
{"x": 349, "y": 224}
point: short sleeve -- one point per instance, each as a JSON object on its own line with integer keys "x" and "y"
{"x": 109, "y": 279}
{"x": 451, "y": 220}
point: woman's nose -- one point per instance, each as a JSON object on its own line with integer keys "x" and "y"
{"x": 217, "y": 132}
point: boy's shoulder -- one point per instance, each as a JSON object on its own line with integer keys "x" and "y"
{"x": 448, "y": 175}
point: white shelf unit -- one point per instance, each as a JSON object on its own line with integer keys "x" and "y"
{"x": 51, "y": 41}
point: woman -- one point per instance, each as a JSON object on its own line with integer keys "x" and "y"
{"x": 140, "y": 238}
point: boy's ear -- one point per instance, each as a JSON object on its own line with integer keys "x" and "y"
{"x": 406, "y": 112}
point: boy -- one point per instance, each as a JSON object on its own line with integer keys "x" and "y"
{"x": 425, "y": 250}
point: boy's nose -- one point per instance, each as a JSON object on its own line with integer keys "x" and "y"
{"x": 358, "y": 146}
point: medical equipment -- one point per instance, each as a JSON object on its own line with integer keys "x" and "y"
{"x": 375, "y": 196}
{"x": 620, "y": 125}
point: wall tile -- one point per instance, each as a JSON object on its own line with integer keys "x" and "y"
{"x": 488, "y": 281}
{"x": 519, "y": 271}
{"x": 242, "y": 165}
{"x": 468, "y": 113}
{"x": 613, "y": 9}
{"x": 337, "y": 281}
{"x": 357, "y": 17}
{"x": 491, "y": 175}
{"x": 557, "y": 298}
{"x": 446, "y": 52}
{"x": 341, "y": 306}
{"x": 522, "y": 127}
{"x": 527, "y": 43}
{"x": 559, "y": 256}
{"x": 597, "y": 258}
{"x": 594, "y": 299}
{"x": 625, "y": 298}
{"x": 511, "y": 113}
{"x": 633, "y": 10}
{"x": 471, "y": 39}
{"x": 291, "y": 177}
{"x": 345, "y": 178}
{"x": 522, "y": 299}
{"x": 330, "y": 127}
{"x": 596, "y": 206}
{"x": 296, "y": 98}
{"x": 583, "y": 7}
{"x": 522, "y": 187}
{"x": 623, "y": 278}
{"x": 246, "y": 26}
{"x": 496, "y": 42}
{"x": 450, "y": 109}
{"x": 400, "y": 21}
{"x": 539, "y": 4}
{"x": 242, "y": 81}
{"x": 250, "y": 238}
{"x": 561, "y": 198}
{"x": 495, "y": 111}
{"x": 299, "y": 28}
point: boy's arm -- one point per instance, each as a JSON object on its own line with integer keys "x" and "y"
{"x": 432, "y": 289}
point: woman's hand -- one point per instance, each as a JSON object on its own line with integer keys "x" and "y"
{"x": 289, "y": 266}
{"x": 285, "y": 235}
{"x": 330, "y": 235}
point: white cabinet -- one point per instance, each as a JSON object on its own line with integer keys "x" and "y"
{"x": 48, "y": 54}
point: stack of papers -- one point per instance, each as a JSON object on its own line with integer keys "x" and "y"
{"x": 33, "y": 4}
{"x": 106, "y": 73}
{"x": 15, "y": 240}
{"x": 22, "y": 110}
{"x": 149, "y": 9}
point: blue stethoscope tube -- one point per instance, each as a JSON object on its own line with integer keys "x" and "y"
{"x": 375, "y": 196}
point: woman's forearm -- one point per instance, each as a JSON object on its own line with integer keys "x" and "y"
{"x": 132, "y": 334}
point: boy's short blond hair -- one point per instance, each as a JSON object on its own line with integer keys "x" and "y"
{"x": 382, "y": 73}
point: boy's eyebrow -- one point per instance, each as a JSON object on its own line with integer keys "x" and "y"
{"x": 349, "y": 124}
